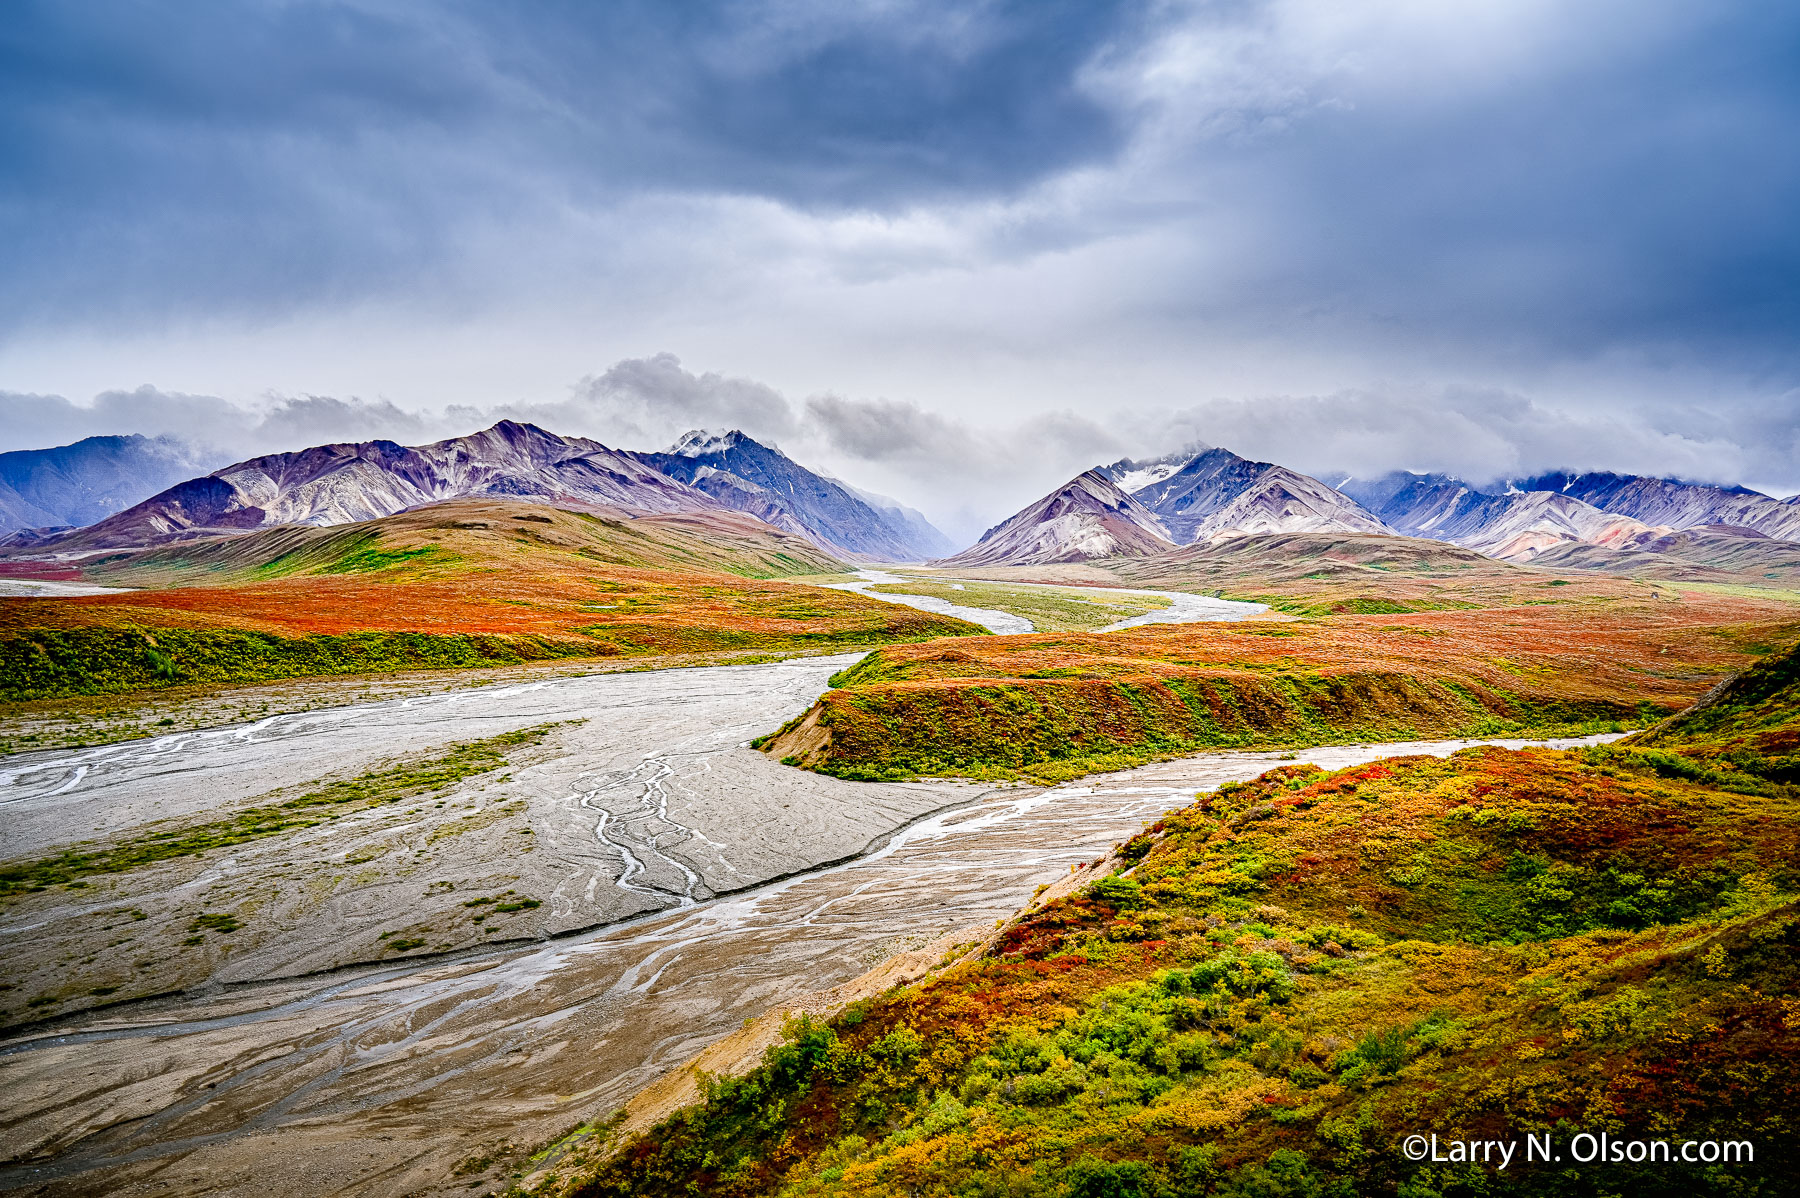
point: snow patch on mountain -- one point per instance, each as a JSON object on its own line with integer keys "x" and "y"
{"x": 1088, "y": 517}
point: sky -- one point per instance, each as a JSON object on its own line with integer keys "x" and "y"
{"x": 954, "y": 251}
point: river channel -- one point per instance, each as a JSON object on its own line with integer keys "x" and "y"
{"x": 1183, "y": 608}
{"x": 272, "y": 1078}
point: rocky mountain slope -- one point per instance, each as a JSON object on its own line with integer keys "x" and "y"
{"x": 338, "y": 484}
{"x": 1216, "y": 492}
{"x": 742, "y": 473}
{"x": 77, "y": 484}
{"x": 1140, "y": 508}
{"x": 1558, "y": 513}
{"x": 1707, "y": 553}
{"x": 1673, "y": 504}
{"x": 1089, "y": 517}
{"x": 1514, "y": 526}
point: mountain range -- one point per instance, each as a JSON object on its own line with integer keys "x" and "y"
{"x": 1608, "y": 522}
{"x": 341, "y": 483}
{"x": 742, "y": 473}
{"x": 1215, "y": 493}
{"x": 1525, "y": 519}
{"x": 119, "y": 488}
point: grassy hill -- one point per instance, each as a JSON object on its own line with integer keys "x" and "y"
{"x": 1054, "y": 706}
{"x": 460, "y": 584}
{"x": 1270, "y": 990}
{"x": 1690, "y": 555}
{"x": 1744, "y": 726}
{"x": 727, "y": 542}
{"x": 1319, "y": 574}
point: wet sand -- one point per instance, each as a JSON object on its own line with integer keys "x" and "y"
{"x": 380, "y": 1078}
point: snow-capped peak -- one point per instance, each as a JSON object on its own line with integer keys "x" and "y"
{"x": 1131, "y": 475}
{"x": 702, "y": 441}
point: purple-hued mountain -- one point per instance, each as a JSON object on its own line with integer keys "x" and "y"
{"x": 337, "y": 484}
{"x": 740, "y": 472}
{"x": 1088, "y": 517}
{"x": 1139, "y": 508}
{"x": 77, "y": 484}
{"x": 1215, "y": 492}
{"x": 1668, "y": 503}
{"x": 1523, "y": 519}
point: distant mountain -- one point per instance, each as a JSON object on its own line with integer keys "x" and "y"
{"x": 338, "y": 484}
{"x": 1523, "y": 519}
{"x": 1705, "y": 553}
{"x": 1516, "y": 526}
{"x": 920, "y": 531}
{"x": 1672, "y": 504}
{"x": 1519, "y": 527}
{"x": 1089, "y": 517}
{"x": 1216, "y": 492}
{"x": 742, "y": 473}
{"x": 89, "y": 480}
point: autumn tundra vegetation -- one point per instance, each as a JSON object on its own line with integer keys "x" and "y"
{"x": 468, "y": 583}
{"x": 1054, "y": 706}
{"x": 1269, "y": 989}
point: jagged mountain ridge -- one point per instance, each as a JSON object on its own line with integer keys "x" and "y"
{"x": 1670, "y": 503}
{"x": 1514, "y": 526}
{"x": 1184, "y": 498}
{"x": 76, "y": 484}
{"x": 742, "y": 473}
{"x": 342, "y": 483}
{"x": 1216, "y": 492}
{"x": 1088, "y": 517}
{"x": 1522, "y": 520}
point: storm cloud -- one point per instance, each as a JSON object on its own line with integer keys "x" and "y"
{"x": 928, "y": 242}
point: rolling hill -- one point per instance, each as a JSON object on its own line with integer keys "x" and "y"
{"x": 1268, "y": 990}
{"x": 471, "y": 582}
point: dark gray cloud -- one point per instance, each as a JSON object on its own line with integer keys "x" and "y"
{"x": 1484, "y": 434}
{"x": 994, "y": 240}
{"x": 166, "y": 157}
{"x": 1623, "y": 185}
{"x": 886, "y": 430}
{"x": 1524, "y": 178}
{"x": 966, "y": 474}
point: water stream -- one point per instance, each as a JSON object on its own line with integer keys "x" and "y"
{"x": 1183, "y": 608}
{"x": 1003, "y": 623}
{"x": 377, "y": 1079}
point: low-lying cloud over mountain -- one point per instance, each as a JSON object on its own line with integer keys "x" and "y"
{"x": 343, "y": 482}
{"x": 918, "y": 241}
{"x": 967, "y": 470}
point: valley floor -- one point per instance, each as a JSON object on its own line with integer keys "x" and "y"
{"x": 388, "y": 1076}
